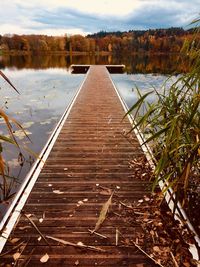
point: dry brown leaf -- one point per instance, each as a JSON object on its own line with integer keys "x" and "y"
{"x": 152, "y": 232}
{"x": 16, "y": 256}
{"x": 156, "y": 249}
{"x": 44, "y": 258}
{"x": 80, "y": 243}
{"x": 116, "y": 237}
{"x": 58, "y": 192}
{"x": 14, "y": 240}
{"x": 24, "y": 227}
{"x": 103, "y": 213}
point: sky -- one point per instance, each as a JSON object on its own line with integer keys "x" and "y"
{"x": 60, "y": 17}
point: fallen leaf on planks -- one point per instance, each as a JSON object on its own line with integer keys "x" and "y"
{"x": 44, "y": 258}
{"x": 14, "y": 240}
{"x": 16, "y": 256}
{"x": 76, "y": 262}
{"x": 103, "y": 213}
{"x": 58, "y": 192}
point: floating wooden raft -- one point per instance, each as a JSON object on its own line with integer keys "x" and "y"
{"x": 90, "y": 159}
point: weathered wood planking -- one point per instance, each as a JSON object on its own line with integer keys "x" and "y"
{"x": 89, "y": 155}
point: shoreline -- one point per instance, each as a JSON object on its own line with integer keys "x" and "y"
{"x": 79, "y": 53}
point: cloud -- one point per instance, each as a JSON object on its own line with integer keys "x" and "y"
{"x": 82, "y": 17}
{"x": 68, "y": 18}
{"x": 14, "y": 29}
{"x": 163, "y": 14}
{"x": 106, "y": 7}
{"x": 150, "y": 14}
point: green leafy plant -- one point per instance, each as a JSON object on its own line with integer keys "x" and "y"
{"x": 172, "y": 124}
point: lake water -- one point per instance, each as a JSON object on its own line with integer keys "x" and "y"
{"x": 44, "y": 95}
{"x": 46, "y": 87}
{"x": 127, "y": 85}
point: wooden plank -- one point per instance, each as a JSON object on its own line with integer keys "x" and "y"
{"x": 90, "y": 156}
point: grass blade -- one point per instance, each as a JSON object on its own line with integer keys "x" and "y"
{"x": 8, "y": 81}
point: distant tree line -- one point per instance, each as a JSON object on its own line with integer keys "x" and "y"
{"x": 155, "y": 41}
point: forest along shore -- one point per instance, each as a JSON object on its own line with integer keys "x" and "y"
{"x": 150, "y": 41}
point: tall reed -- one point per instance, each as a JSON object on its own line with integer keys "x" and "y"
{"x": 173, "y": 124}
{"x": 6, "y": 182}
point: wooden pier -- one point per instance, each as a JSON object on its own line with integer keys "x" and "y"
{"x": 90, "y": 160}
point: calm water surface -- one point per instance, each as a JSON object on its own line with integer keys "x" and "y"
{"x": 127, "y": 85}
{"x": 44, "y": 95}
{"x": 46, "y": 88}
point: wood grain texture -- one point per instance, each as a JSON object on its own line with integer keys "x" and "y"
{"x": 90, "y": 157}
